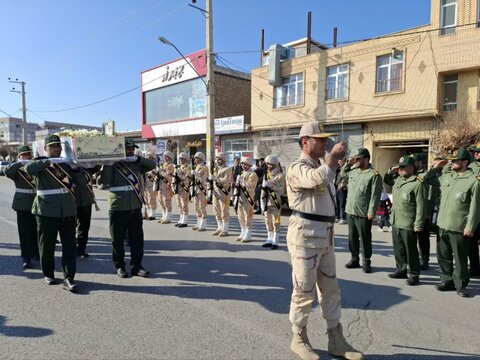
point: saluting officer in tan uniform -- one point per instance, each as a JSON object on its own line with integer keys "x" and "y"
{"x": 165, "y": 193}
{"x": 247, "y": 182}
{"x": 273, "y": 188}
{"x": 150, "y": 189}
{"x": 182, "y": 173}
{"x": 311, "y": 195}
{"x": 200, "y": 173}
{"x": 222, "y": 184}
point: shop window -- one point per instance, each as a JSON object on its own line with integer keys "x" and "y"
{"x": 337, "y": 82}
{"x": 448, "y": 20}
{"x": 290, "y": 93}
{"x": 389, "y": 72}
{"x": 450, "y": 89}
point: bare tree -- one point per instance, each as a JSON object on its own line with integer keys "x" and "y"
{"x": 458, "y": 129}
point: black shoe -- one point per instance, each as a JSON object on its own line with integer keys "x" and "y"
{"x": 50, "y": 280}
{"x": 122, "y": 273}
{"x": 367, "y": 268}
{"x": 257, "y": 212}
{"x": 474, "y": 273}
{"x": 83, "y": 255}
{"x": 69, "y": 285}
{"x": 151, "y": 218}
{"x": 182, "y": 225}
{"x": 352, "y": 264}
{"x": 141, "y": 272}
{"x": 177, "y": 224}
{"x": 424, "y": 266}
{"x": 267, "y": 245}
{"x": 27, "y": 264}
{"x": 412, "y": 280}
{"x": 463, "y": 292}
{"x": 445, "y": 286}
{"x": 274, "y": 247}
{"x": 398, "y": 275}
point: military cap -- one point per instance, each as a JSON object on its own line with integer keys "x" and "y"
{"x": 417, "y": 156}
{"x": 183, "y": 155}
{"x": 460, "y": 154}
{"x": 169, "y": 154}
{"x": 476, "y": 148}
{"x": 406, "y": 161}
{"x": 24, "y": 149}
{"x": 221, "y": 155}
{"x": 361, "y": 153}
{"x": 200, "y": 155}
{"x": 52, "y": 139}
{"x": 130, "y": 143}
{"x": 270, "y": 159}
{"x": 246, "y": 160}
{"x": 312, "y": 129}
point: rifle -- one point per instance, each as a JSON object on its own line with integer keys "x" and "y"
{"x": 236, "y": 194}
{"x": 264, "y": 195}
{"x": 176, "y": 181}
{"x": 210, "y": 187}
{"x": 192, "y": 192}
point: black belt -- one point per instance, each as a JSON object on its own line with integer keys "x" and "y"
{"x": 314, "y": 217}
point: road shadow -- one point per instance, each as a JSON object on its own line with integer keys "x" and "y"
{"x": 22, "y": 331}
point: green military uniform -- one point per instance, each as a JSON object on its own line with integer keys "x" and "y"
{"x": 22, "y": 203}
{"x": 459, "y": 211}
{"x": 55, "y": 210}
{"x": 126, "y": 209}
{"x": 85, "y": 199}
{"x": 364, "y": 191}
{"x": 474, "y": 255}
{"x": 432, "y": 188}
{"x": 408, "y": 214}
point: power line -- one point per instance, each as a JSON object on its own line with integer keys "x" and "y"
{"x": 9, "y": 115}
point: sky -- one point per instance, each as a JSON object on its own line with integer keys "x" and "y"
{"x": 76, "y": 53}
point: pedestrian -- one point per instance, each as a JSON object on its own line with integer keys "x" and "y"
{"x": 85, "y": 198}
{"x": 181, "y": 184}
{"x": 364, "y": 191}
{"x": 165, "y": 193}
{"x": 383, "y": 210}
{"x": 408, "y": 217}
{"x": 273, "y": 188}
{"x": 458, "y": 217}
{"x": 246, "y": 183}
{"x": 310, "y": 240}
{"x": 55, "y": 210}
{"x": 200, "y": 176}
{"x": 473, "y": 256}
{"x": 222, "y": 185}
{"x": 125, "y": 215}
{"x": 151, "y": 189}
{"x": 25, "y": 191}
{"x": 342, "y": 192}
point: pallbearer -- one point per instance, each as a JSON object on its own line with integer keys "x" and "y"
{"x": 247, "y": 183}
{"x": 222, "y": 184}
{"x": 22, "y": 203}
{"x": 151, "y": 189}
{"x": 181, "y": 184}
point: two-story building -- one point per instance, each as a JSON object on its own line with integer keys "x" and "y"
{"x": 391, "y": 94}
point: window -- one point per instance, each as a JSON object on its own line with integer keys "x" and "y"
{"x": 448, "y": 20}
{"x": 290, "y": 93}
{"x": 389, "y": 72}
{"x": 450, "y": 84}
{"x": 337, "y": 82}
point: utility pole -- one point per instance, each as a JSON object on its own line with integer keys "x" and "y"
{"x": 24, "y": 108}
{"x": 210, "y": 88}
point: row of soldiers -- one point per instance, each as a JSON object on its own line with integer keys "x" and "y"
{"x": 451, "y": 188}
{"x": 200, "y": 185}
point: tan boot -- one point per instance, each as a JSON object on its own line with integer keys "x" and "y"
{"x": 301, "y": 346}
{"x": 338, "y": 346}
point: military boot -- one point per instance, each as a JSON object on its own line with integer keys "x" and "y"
{"x": 338, "y": 346}
{"x": 301, "y": 346}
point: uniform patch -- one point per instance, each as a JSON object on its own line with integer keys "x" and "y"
{"x": 420, "y": 179}
{"x": 375, "y": 172}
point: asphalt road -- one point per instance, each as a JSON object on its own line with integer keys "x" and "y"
{"x": 214, "y": 298}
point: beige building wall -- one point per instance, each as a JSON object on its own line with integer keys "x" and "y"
{"x": 412, "y": 114}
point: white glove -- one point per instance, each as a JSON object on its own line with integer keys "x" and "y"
{"x": 211, "y": 177}
{"x": 266, "y": 183}
{"x": 238, "y": 178}
{"x": 58, "y": 160}
{"x": 194, "y": 173}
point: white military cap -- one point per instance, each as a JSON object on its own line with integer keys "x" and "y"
{"x": 183, "y": 155}
{"x": 221, "y": 155}
{"x": 246, "y": 160}
{"x": 270, "y": 159}
{"x": 312, "y": 129}
{"x": 200, "y": 155}
{"x": 169, "y": 154}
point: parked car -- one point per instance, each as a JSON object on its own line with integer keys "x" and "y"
{"x": 3, "y": 166}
